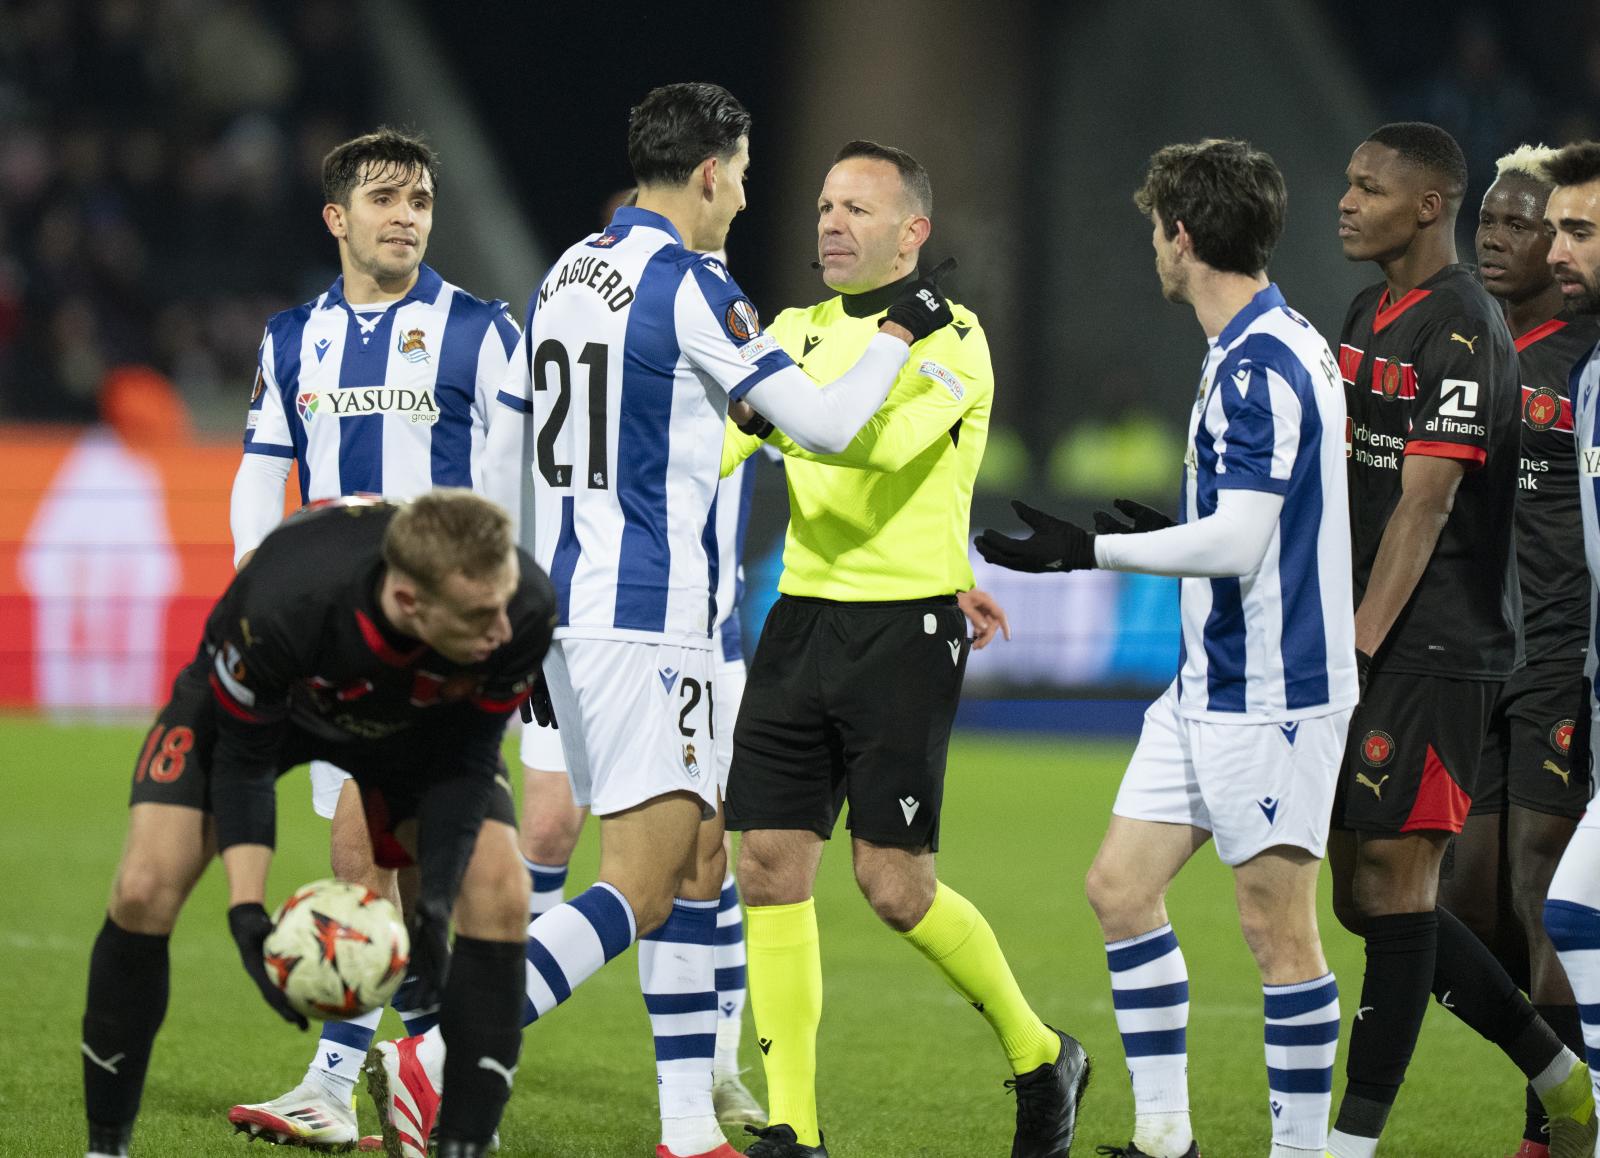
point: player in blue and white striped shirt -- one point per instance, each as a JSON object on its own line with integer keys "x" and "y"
{"x": 384, "y": 385}
{"x": 1245, "y": 746}
{"x": 636, "y": 342}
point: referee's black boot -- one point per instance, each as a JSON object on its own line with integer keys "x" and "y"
{"x": 1132, "y": 1151}
{"x": 1047, "y": 1102}
{"x": 779, "y": 1141}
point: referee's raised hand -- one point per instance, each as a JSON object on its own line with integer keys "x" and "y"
{"x": 921, "y": 308}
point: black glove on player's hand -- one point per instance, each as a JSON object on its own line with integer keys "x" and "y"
{"x": 537, "y": 705}
{"x": 1055, "y": 545}
{"x": 921, "y": 307}
{"x": 250, "y": 926}
{"x": 429, "y": 925}
{"x": 1143, "y": 519}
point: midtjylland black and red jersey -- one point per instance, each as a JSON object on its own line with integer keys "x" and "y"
{"x": 298, "y": 646}
{"x": 1435, "y": 373}
{"x": 1555, "y": 582}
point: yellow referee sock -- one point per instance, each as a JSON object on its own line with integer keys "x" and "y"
{"x": 785, "y": 972}
{"x": 956, "y": 938}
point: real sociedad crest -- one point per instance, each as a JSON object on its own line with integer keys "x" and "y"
{"x": 412, "y": 347}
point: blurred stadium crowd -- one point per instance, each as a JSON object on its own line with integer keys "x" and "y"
{"x": 158, "y": 162}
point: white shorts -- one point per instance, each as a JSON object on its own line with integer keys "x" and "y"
{"x": 326, "y": 784}
{"x": 1252, "y": 786}
{"x": 541, "y": 748}
{"x": 640, "y": 721}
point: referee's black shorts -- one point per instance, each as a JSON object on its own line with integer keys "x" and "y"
{"x": 849, "y": 702}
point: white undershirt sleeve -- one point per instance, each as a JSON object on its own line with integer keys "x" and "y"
{"x": 256, "y": 505}
{"x": 824, "y": 420}
{"x": 1230, "y": 542}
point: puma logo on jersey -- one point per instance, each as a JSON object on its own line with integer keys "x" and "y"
{"x": 1554, "y": 769}
{"x": 1469, "y": 343}
{"x": 1377, "y": 787}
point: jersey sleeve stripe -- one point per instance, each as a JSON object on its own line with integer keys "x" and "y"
{"x": 1252, "y": 482}
{"x": 1476, "y": 455}
{"x": 769, "y": 365}
{"x": 230, "y": 705}
{"x": 267, "y": 448}
{"x": 520, "y": 405}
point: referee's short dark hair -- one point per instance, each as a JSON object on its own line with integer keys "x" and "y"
{"x": 919, "y": 189}
{"x": 1229, "y": 196}
{"x": 384, "y": 151}
{"x": 677, "y": 126}
{"x": 1431, "y": 148}
{"x": 1575, "y": 164}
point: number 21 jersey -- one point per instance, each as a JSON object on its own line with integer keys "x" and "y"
{"x": 633, "y": 347}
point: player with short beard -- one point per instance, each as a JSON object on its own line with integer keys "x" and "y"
{"x": 1431, "y": 389}
{"x": 1572, "y": 912}
{"x": 1530, "y": 793}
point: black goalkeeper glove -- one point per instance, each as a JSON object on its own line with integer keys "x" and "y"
{"x": 250, "y": 926}
{"x": 1055, "y": 545}
{"x": 537, "y": 705}
{"x": 428, "y": 923}
{"x": 921, "y": 307}
{"x": 1143, "y": 519}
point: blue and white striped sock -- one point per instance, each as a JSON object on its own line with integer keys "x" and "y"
{"x": 340, "y": 1052}
{"x": 677, "y": 978}
{"x": 1302, "y": 1038}
{"x": 568, "y": 945}
{"x": 1150, "y": 993}
{"x": 1574, "y": 930}
{"x": 549, "y": 887}
{"x": 417, "y": 1018}
{"x": 728, "y": 956}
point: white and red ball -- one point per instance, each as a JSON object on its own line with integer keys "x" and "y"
{"x": 337, "y": 950}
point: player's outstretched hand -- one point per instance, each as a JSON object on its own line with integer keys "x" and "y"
{"x": 250, "y": 927}
{"x": 428, "y": 922}
{"x": 1141, "y": 519}
{"x": 1055, "y": 545}
{"x": 921, "y": 307}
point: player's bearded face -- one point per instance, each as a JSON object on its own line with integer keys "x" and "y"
{"x": 1573, "y": 215}
{"x": 1512, "y": 243}
{"x": 1174, "y": 281}
{"x": 387, "y": 223}
{"x": 466, "y": 620}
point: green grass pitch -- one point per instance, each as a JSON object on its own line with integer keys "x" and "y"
{"x": 906, "y": 1067}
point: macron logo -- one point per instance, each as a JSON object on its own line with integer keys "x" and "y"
{"x": 1290, "y": 731}
{"x": 955, "y": 651}
{"x": 909, "y": 806}
{"x": 669, "y": 676}
{"x": 1269, "y": 808}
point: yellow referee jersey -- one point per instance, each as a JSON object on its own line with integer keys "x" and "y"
{"x": 887, "y": 518}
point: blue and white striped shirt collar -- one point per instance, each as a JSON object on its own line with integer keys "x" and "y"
{"x": 426, "y": 289}
{"x": 631, "y": 215}
{"x": 1270, "y": 298}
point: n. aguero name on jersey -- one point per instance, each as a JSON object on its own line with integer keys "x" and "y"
{"x": 634, "y": 346}
{"x": 1278, "y": 643}
{"x": 390, "y": 400}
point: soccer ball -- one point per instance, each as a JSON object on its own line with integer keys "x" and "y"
{"x": 337, "y": 950}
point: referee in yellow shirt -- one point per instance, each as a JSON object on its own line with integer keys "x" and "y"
{"x": 854, "y": 685}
